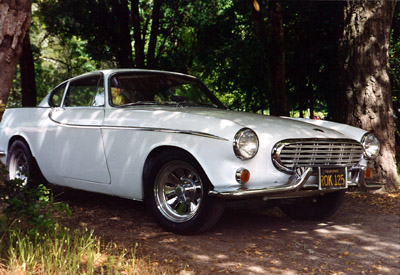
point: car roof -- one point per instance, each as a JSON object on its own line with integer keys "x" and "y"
{"x": 108, "y": 72}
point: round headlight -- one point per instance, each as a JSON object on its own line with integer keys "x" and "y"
{"x": 245, "y": 144}
{"x": 371, "y": 145}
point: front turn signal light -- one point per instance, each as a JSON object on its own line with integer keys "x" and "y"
{"x": 242, "y": 175}
{"x": 368, "y": 173}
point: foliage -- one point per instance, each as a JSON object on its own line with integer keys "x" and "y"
{"x": 233, "y": 60}
{"x": 33, "y": 241}
{"x": 56, "y": 59}
{"x": 30, "y": 209}
{"x": 214, "y": 40}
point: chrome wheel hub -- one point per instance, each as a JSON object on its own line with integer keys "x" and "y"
{"x": 178, "y": 191}
{"x": 18, "y": 166}
{"x": 186, "y": 190}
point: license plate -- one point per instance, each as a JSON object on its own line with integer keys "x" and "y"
{"x": 332, "y": 178}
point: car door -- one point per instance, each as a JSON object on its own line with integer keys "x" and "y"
{"x": 78, "y": 144}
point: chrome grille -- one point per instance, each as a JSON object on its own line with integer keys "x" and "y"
{"x": 289, "y": 154}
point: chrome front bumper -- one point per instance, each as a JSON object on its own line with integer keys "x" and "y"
{"x": 293, "y": 186}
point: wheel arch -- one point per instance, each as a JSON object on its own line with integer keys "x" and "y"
{"x": 161, "y": 149}
{"x": 24, "y": 140}
{"x": 21, "y": 138}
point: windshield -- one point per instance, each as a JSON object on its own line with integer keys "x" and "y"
{"x": 144, "y": 88}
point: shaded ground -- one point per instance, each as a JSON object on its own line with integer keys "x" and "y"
{"x": 363, "y": 238}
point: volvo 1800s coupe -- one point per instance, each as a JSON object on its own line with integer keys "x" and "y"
{"x": 164, "y": 138}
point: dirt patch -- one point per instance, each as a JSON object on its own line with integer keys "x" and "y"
{"x": 363, "y": 238}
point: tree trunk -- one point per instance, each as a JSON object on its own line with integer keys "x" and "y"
{"x": 27, "y": 68}
{"x": 155, "y": 25}
{"x": 15, "y": 17}
{"x": 279, "y": 96}
{"x": 137, "y": 34}
{"x": 121, "y": 39}
{"x": 364, "y": 78}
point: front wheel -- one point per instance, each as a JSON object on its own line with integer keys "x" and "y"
{"x": 177, "y": 194}
{"x": 315, "y": 208}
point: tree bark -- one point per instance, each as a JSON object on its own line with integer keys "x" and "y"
{"x": 15, "y": 18}
{"x": 279, "y": 96}
{"x": 27, "y": 68}
{"x": 364, "y": 78}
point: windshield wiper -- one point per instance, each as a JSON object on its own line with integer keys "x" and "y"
{"x": 204, "y": 105}
{"x": 139, "y": 103}
{"x": 169, "y": 103}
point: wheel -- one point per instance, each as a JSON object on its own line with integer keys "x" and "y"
{"x": 21, "y": 164}
{"x": 177, "y": 194}
{"x": 314, "y": 208}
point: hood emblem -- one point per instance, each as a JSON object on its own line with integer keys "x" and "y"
{"x": 318, "y": 130}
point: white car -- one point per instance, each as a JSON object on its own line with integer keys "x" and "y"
{"x": 164, "y": 138}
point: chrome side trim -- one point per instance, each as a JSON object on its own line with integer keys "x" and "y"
{"x": 134, "y": 128}
{"x": 164, "y": 130}
{"x": 2, "y": 153}
{"x": 294, "y": 183}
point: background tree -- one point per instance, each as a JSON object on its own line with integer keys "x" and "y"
{"x": 15, "y": 17}
{"x": 27, "y": 68}
{"x": 364, "y": 78}
{"x": 279, "y": 102}
{"x": 111, "y": 27}
{"x": 394, "y": 58}
{"x": 311, "y": 45}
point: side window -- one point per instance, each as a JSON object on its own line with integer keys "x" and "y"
{"x": 56, "y": 96}
{"x": 82, "y": 92}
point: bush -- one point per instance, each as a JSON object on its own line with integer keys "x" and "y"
{"x": 32, "y": 241}
{"x": 31, "y": 209}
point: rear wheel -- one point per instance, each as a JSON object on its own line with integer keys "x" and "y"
{"x": 315, "y": 208}
{"x": 21, "y": 164}
{"x": 177, "y": 194}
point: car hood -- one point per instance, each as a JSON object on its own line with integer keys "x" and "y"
{"x": 271, "y": 126}
{"x": 221, "y": 123}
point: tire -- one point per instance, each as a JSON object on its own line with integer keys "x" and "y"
{"x": 21, "y": 164}
{"x": 176, "y": 194}
{"x": 315, "y": 208}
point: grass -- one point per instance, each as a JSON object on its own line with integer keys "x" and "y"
{"x": 65, "y": 252}
{"x": 33, "y": 242}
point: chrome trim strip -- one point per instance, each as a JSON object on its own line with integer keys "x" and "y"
{"x": 2, "y": 153}
{"x": 134, "y": 128}
{"x": 164, "y": 130}
{"x": 294, "y": 183}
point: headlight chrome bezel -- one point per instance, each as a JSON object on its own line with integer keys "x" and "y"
{"x": 240, "y": 152}
{"x": 367, "y": 141}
